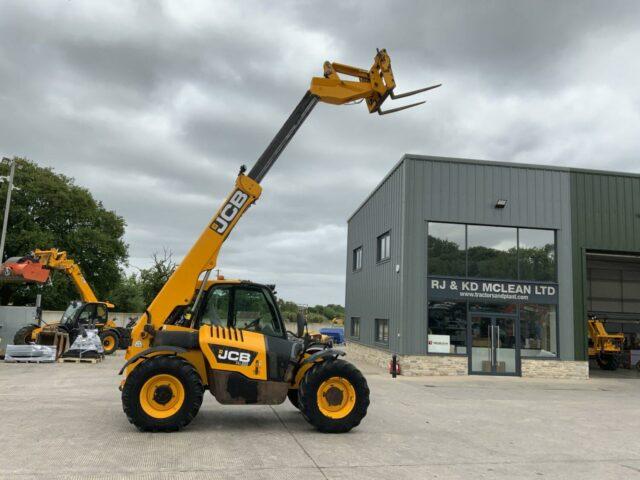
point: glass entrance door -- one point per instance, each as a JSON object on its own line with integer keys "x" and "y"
{"x": 493, "y": 345}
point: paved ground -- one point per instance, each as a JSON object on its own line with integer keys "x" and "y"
{"x": 65, "y": 421}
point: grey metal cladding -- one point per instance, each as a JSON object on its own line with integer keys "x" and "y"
{"x": 463, "y": 191}
{"x": 375, "y": 290}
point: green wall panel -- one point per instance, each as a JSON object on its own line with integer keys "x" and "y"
{"x": 605, "y": 216}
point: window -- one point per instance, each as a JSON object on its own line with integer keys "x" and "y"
{"x": 382, "y": 330}
{"x": 357, "y": 259}
{"x": 384, "y": 247}
{"x": 492, "y": 252}
{"x": 216, "y": 312}
{"x": 447, "y": 250}
{"x": 537, "y": 254}
{"x": 254, "y": 312}
{"x": 483, "y": 251}
{"x": 101, "y": 314}
{"x": 355, "y": 327}
{"x": 87, "y": 315}
{"x": 538, "y": 330}
{"x": 447, "y": 327}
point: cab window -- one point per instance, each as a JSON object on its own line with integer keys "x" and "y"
{"x": 87, "y": 315}
{"x": 101, "y": 314}
{"x": 253, "y": 311}
{"x": 216, "y": 311}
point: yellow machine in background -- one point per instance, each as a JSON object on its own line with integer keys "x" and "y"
{"x": 88, "y": 311}
{"x": 228, "y": 336}
{"x": 605, "y": 348}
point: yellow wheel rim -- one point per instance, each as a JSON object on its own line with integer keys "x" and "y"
{"x": 336, "y": 397}
{"x": 108, "y": 343}
{"x": 162, "y": 396}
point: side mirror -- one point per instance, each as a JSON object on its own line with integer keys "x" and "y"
{"x": 301, "y": 323}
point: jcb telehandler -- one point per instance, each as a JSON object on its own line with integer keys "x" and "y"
{"x": 604, "y": 347}
{"x": 89, "y": 311}
{"x": 228, "y": 336}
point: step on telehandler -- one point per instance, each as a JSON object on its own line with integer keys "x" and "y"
{"x": 227, "y": 336}
{"x": 83, "y": 313}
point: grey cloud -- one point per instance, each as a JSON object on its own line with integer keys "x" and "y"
{"x": 155, "y": 105}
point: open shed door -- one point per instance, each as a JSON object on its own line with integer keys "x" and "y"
{"x": 613, "y": 296}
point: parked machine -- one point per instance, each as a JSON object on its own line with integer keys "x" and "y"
{"x": 227, "y": 336}
{"x": 605, "y": 348}
{"x": 88, "y": 311}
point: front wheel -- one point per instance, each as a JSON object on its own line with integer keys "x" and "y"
{"x": 23, "y": 336}
{"x": 608, "y": 362}
{"x": 334, "y": 396}
{"x": 162, "y": 394}
{"x": 110, "y": 341}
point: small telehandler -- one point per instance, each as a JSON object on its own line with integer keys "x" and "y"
{"x": 228, "y": 336}
{"x": 604, "y": 347}
{"x": 88, "y": 311}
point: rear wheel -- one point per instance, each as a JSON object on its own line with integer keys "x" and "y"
{"x": 608, "y": 362}
{"x": 109, "y": 341}
{"x": 162, "y": 394}
{"x": 334, "y": 396}
{"x": 23, "y": 336}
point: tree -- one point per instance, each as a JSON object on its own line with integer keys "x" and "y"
{"x": 152, "y": 279}
{"x": 50, "y": 211}
{"x": 127, "y": 294}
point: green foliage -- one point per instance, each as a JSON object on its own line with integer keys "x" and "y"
{"x": 316, "y": 314}
{"x": 127, "y": 294}
{"x": 446, "y": 257}
{"x": 328, "y": 311}
{"x": 50, "y": 211}
{"x": 152, "y": 279}
{"x": 316, "y": 318}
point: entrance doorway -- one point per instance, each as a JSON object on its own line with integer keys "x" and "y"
{"x": 494, "y": 348}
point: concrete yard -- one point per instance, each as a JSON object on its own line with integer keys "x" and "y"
{"x": 66, "y": 421}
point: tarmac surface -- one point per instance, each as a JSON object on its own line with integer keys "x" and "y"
{"x": 62, "y": 421}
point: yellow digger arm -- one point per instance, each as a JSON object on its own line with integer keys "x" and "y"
{"x": 373, "y": 86}
{"x": 55, "y": 259}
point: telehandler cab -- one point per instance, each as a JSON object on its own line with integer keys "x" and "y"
{"x": 88, "y": 311}
{"x": 228, "y": 336}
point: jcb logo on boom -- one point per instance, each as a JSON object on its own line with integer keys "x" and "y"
{"x": 233, "y": 356}
{"x": 229, "y": 211}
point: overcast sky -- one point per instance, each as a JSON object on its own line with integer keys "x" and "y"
{"x": 154, "y": 106}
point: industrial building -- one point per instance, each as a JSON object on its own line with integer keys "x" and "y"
{"x": 476, "y": 267}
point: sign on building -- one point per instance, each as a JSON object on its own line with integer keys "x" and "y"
{"x": 445, "y": 288}
{"x": 439, "y": 343}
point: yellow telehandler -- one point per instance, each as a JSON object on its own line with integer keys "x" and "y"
{"x": 227, "y": 336}
{"x": 605, "y": 348}
{"x": 88, "y": 311}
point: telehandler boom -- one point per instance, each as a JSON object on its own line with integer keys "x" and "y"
{"x": 228, "y": 335}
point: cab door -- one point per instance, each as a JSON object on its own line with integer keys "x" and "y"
{"x": 241, "y": 331}
{"x": 255, "y": 310}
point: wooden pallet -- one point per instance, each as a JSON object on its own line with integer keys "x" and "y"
{"x": 79, "y": 360}
{"x": 28, "y": 360}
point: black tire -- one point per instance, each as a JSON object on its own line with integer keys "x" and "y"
{"x": 608, "y": 362}
{"x": 110, "y": 341}
{"x": 169, "y": 365}
{"x": 292, "y": 395}
{"x": 308, "y": 394}
{"x": 124, "y": 336}
{"x": 23, "y": 336}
